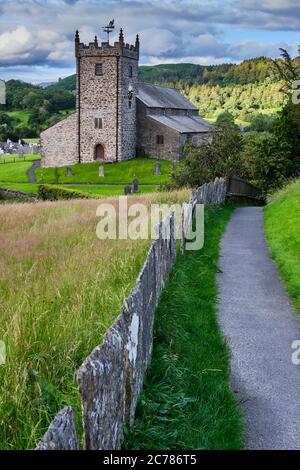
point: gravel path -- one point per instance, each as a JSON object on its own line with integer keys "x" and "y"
{"x": 256, "y": 317}
{"x": 31, "y": 171}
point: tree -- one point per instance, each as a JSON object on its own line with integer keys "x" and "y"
{"x": 266, "y": 160}
{"x": 262, "y": 123}
{"x": 215, "y": 158}
{"x": 288, "y": 71}
{"x": 287, "y": 126}
{"x": 226, "y": 120}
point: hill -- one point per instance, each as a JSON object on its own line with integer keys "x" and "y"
{"x": 249, "y": 71}
{"x": 245, "y": 90}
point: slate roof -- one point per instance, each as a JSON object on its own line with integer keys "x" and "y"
{"x": 183, "y": 124}
{"x": 154, "y": 96}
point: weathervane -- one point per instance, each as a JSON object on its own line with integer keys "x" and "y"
{"x": 109, "y": 28}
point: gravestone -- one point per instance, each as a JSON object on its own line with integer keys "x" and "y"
{"x": 157, "y": 168}
{"x": 69, "y": 171}
{"x": 101, "y": 171}
{"x": 174, "y": 166}
{"x": 127, "y": 190}
{"x": 135, "y": 186}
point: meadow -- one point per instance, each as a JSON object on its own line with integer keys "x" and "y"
{"x": 60, "y": 289}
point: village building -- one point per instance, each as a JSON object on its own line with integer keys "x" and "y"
{"x": 117, "y": 117}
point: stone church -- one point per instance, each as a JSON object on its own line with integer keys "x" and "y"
{"x": 117, "y": 117}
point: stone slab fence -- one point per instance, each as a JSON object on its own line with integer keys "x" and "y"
{"x": 111, "y": 378}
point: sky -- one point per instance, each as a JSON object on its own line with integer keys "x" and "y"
{"x": 37, "y": 36}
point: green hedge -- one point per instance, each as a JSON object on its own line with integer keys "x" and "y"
{"x": 49, "y": 192}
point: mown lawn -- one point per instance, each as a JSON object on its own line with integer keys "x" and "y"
{"x": 16, "y": 159}
{"x": 60, "y": 289}
{"x": 14, "y": 172}
{"x": 187, "y": 402}
{"x": 97, "y": 190}
{"x": 23, "y": 187}
{"x": 282, "y": 227}
{"x": 110, "y": 190}
{"x": 115, "y": 173}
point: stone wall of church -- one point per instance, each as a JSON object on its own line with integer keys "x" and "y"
{"x": 93, "y": 91}
{"x": 59, "y": 143}
{"x": 105, "y": 96}
{"x": 128, "y": 112}
{"x": 147, "y": 133}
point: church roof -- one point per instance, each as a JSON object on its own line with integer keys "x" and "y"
{"x": 154, "y": 96}
{"x": 183, "y": 124}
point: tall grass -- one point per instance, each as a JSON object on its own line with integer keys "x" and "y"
{"x": 60, "y": 289}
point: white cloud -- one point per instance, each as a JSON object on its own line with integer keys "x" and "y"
{"x": 36, "y": 32}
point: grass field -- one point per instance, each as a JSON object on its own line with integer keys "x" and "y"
{"x": 32, "y": 140}
{"x": 14, "y": 172}
{"x": 104, "y": 191}
{"x": 22, "y": 116}
{"x": 16, "y": 159}
{"x": 282, "y": 226}
{"x": 121, "y": 173}
{"x": 187, "y": 402}
{"x": 60, "y": 288}
{"x": 23, "y": 187}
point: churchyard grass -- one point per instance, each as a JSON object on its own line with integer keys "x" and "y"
{"x": 111, "y": 190}
{"x": 187, "y": 402}
{"x": 15, "y": 172}
{"x": 121, "y": 173}
{"x": 60, "y": 289}
{"x": 282, "y": 227}
{"x": 98, "y": 191}
{"x": 23, "y": 187}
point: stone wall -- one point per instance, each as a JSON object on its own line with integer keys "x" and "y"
{"x": 111, "y": 378}
{"x": 59, "y": 143}
{"x": 11, "y": 194}
{"x": 148, "y": 129}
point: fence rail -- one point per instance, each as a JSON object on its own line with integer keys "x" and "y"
{"x": 238, "y": 187}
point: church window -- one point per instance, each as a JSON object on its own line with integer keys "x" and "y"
{"x": 98, "y": 69}
{"x": 130, "y": 71}
{"x": 160, "y": 140}
{"x": 98, "y": 123}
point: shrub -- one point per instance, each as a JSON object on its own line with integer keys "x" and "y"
{"x": 49, "y": 192}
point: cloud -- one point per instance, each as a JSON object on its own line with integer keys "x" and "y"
{"x": 41, "y": 33}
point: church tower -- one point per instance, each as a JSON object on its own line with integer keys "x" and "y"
{"x": 107, "y": 78}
